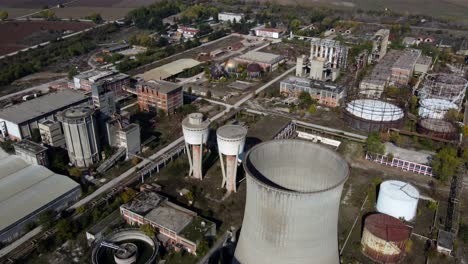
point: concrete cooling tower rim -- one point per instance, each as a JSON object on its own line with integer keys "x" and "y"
{"x": 265, "y": 181}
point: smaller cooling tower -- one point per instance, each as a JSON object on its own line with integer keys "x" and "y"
{"x": 398, "y": 199}
{"x": 231, "y": 140}
{"x": 196, "y": 130}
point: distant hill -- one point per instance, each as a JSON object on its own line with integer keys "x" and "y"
{"x": 456, "y": 9}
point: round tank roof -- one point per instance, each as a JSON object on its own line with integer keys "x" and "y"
{"x": 437, "y": 125}
{"x": 374, "y": 110}
{"x": 296, "y": 166}
{"x": 78, "y": 112}
{"x": 398, "y": 199}
{"x": 439, "y": 104}
{"x": 195, "y": 121}
{"x": 231, "y": 132}
{"x": 399, "y": 190}
{"x": 387, "y": 227}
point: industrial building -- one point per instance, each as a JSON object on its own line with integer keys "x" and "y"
{"x": 128, "y": 137}
{"x": 178, "y": 227}
{"x": 447, "y": 87}
{"x": 398, "y": 199}
{"x": 169, "y": 70}
{"x": 422, "y": 65}
{"x": 264, "y": 32}
{"x": 103, "y": 99}
{"x": 111, "y": 80}
{"x": 187, "y": 32}
{"x": 231, "y": 141}
{"x": 32, "y": 152}
{"x": 28, "y": 190}
{"x": 232, "y": 17}
{"x": 268, "y": 61}
{"x": 51, "y": 133}
{"x": 373, "y": 115}
{"x": 156, "y": 95}
{"x": 18, "y": 121}
{"x": 384, "y": 238}
{"x": 81, "y": 136}
{"x": 196, "y": 131}
{"x": 379, "y": 45}
{"x": 325, "y": 93}
{"x": 332, "y": 51}
{"x": 293, "y": 197}
{"x": 402, "y": 70}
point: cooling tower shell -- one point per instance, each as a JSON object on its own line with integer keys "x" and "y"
{"x": 398, "y": 199}
{"x": 195, "y": 129}
{"x": 384, "y": 238}
{"x": 293, "y": 195}
{"x": 231, "y": 139}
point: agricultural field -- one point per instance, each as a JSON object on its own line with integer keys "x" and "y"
{"x": 27, "y": 33}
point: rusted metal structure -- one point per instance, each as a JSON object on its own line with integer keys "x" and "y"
{"x": 449, "y": 87}
{"x": 384, "y": 238}
{"x": 437, "y": 128}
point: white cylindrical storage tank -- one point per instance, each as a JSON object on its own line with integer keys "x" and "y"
{"x": 80, "y": 130}
{"x": 195, "y": 129}
{"x": 231, "y": 139}
{"x": 293, "y": 197}
{"x": 398, "y": 199}
{"x": 435, "y": 108}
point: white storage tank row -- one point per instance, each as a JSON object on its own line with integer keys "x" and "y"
{"x": 398, "y": 199}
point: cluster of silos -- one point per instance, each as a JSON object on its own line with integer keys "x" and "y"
{"x": 440, "y": 93}
{"x": 196, "y": 131}
{"x": 80, "y": 130}
{"x": 385, "y": 234}
{"x": 372, "y": 115}
{"x": 231, "y": 141}
{"x": 293, "y": 196}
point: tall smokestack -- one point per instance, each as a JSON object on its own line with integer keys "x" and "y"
{"x": 231, "y": 140}
{"x": 196, "y": 131}
{"x": 293, "y": 196}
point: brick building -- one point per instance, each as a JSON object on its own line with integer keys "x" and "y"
{"x": 158, "y": 94}
{"x": 325, "y": 93}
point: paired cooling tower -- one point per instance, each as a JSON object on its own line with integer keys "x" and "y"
{"x": 196, "y": 130}
{"x": 293, "y": 197}
{"x": 231, "y": 140}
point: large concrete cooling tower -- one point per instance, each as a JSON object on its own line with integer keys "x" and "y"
{"x": 293, "y": 196}
{"x": 196, "y": 130}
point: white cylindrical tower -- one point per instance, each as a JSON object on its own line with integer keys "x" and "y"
{"x": 293, "y": 197}
{"x": 398, "y": 199}
{"x": 196, "y": 131}
{"x": 80, "y": 130}
{"x": 231, "y": 141}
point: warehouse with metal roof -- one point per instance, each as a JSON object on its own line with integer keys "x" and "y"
{"x": 26, "y": 191}
{"x": 169, "y": 70}
{"x": 18, "y": 120}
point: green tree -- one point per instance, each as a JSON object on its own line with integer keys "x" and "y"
{"x": 414, "y": 105}
{"x": 46, "y": 219}
{"x": 294, "y": 25}
{"x": 453, "y": 115}
{"x": 36, "y": 135}
{"x": 72, "y": 72}
{"x": 203, "y": 247}
{"x": 374, "y": 144}
{"x": 305, "y": 100}
{"x": 312, "y": 109}
{"x": 74, "y": 172}
{"x": 3, "y": 15}
{"x": 95, "y": 17}
{"x": 208, "y": 94}
{"x": 395, "y": 138}
{"x": 127, "y": 195}
{"x": 148, "y": 229}
{"x": 7, "y": 146}
{"x": 445, "y": 164}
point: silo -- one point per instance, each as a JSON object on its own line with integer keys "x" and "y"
{"x": 384, "y": 238}
{"x": 398, "y": 199}
{"x": 293, "y": 196}
{"x": 231, "y": 140}
{"x": 80, "y": 130}
{"x": 196, "y": 131}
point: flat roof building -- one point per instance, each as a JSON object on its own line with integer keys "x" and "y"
{"x": 169, "y": 70}
{"x": 17, "y": 121}
{"x": 275, "y": 33}
{"x": 32, "y": 152}
{"x": 268, "y": 61}
{"x": 325, "y": 93}
{"x": 159, "y": 94}
{"x": 180, "y": 227}
{"x": 28, "y": 190}
{"x": 228, "y": 16}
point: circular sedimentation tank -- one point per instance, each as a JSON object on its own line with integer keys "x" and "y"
{"x": 437, "y": 128}
{"x": 384, "y": 238}
{"x": 372, "y": 115}
{"x": 135, "y": 247}
{"x": 293, "y": 196}
{"x": 398, "y": 199}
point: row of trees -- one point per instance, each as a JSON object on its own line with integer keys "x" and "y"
{"x": 150, "y": 17}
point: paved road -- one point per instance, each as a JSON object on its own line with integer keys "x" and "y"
{"x": 20, "y": 241}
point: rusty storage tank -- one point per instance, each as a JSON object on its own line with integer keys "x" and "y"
{"x": 384, "y": 238}
{"x": 437, "y": 128}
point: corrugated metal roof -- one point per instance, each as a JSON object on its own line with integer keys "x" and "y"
{"x": 168, "y": 70}
{"x": 25, "y": 188}
{"x": 387, "y": 227}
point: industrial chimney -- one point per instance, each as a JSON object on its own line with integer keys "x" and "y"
{"x": 231, "y": 140}
{"x": 293, "y": 197}
{"x": 196, "y": 131}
